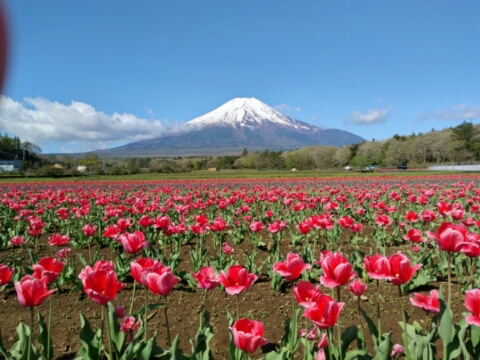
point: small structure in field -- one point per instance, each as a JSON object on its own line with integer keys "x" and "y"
{"x": 213, "y": 169}
{"x": 82, "y": 168}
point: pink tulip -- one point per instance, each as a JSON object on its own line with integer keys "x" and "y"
{"x": 427, "y": 303}
{"x": 206, "y": 278}
{"x": 337, "y": 271}
{"x": 325, "y": 313}
{"x": 472, "y": 303}
{"x": 133, "y": 243}
{"x": 5, "y": 274}
{"x": 161, "y": 284}
{"x": 236, "y": 280}
{"x": 292, "y": 268}
{"x": 357, "y": 288}
{"x": 32, "y": 291}
{"x": 248, "y": 335}
{"x": 306, "y": 294}
{"x": 48, "y": 267}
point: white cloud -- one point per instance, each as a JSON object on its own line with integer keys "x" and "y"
{"x": 284, "y": 108}
{"x": 456, "y": 112}
{"x": 75, "y": 127}
{"x": 373, "y": 116}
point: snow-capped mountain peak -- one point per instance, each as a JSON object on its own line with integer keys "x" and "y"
{"x": 245, "y": 112}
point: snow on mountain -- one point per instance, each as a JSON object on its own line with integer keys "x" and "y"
{"x": 245, "y": 112}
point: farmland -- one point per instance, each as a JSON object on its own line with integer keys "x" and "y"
{"x": 187, "y": 259}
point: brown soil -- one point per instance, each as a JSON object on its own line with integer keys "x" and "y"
{"x": 260, "y": 302}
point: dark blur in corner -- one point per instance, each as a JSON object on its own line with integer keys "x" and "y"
{"x": 3, "y": 44}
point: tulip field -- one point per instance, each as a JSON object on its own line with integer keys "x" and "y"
{"x": 300, "y": 268}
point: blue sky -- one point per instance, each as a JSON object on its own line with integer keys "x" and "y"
{"x": 85, "y": 75}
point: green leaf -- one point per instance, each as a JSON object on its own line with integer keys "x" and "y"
{"x": 384, "y": 349}
{"x": 43, "y": 339}
{"x": 91, "y": 346}
{"x": 349, "y": 335}
{"x": 117, "y": 336}
{"x": 446, "y": 329}
{"x": 277, "y": 355}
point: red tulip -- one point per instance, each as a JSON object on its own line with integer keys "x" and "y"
{"x": 248, "y": 335}
{"x": 325, "y": 313}
{"x": 124, "y": 224}
{"x": 58, "y": 240}
{"x": 444, "y": 208}
{"x": 63, "y": 253}
{"x": 206, "y": 278}
{"x": 457, "y": 214}
{"x": 236, "y": 280}
{"x": 111, "y": 231}
{"x": 256, "y": 226}
{"x": 427, "y": 303}
{"x": 5, "y": 274}
{"x": 32, "y": 291}
{"x": 345, "y": 222}
{"x": 139, "y": 268}
{"x": 129, "y": 326}
{"x": 227, "y": 249}
{"x": 161, "y": 222}
{"x": 89, "y": 230}
{"x": 218, "y": 224}
{"x": 102, "y": 286}
{"x": 276, "y": 226}
{"x": 428, "y": 216}
{"x": 378, "y": 267}
{"x": 161, "y": 284}
{"x": 336, "y": 271}
{"x": 99, "y": 265}
{"x": 472, "y": 303}
{"x": 48, "y": 267}
{"x": 412, "y": 216}
{"x": 414, "y": 235}
{"x": 133, "y": 243}
{"x": 401, "y": 270}
{"x": 383, "y": 220}
{"x": 449, "y": 236}
{"x": 17, "y": 240}
{"x": 292, "y": 268}
{"x": 145, "y": 221}
{"x": 306, "y": 294}
{"x": 471, "y": 247}
{"x": 357, "y": 288}
{"x": 304, "y": 227}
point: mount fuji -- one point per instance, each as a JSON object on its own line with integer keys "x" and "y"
{"x": 239, "y": 123}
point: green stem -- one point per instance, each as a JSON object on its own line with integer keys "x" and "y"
{"x": 238, "y": 307}
{"x": 379, "y": 321}
{"x": 165, "y": 310}
{"x": 472, "y": 271}
{"x": 133, "y": 296}
{"x": 101, "y": 334}
{"x": 339, "y": 334}
{"x": 306, "y": 340}
{"x": 30, "y": 338}
{"x": 203, "y": 308}
{"x": 109, "y": 338}
{"x": 294, "y": 322}
{"x": 405, "y": 340}
{"x": 89, "y": 252}
{"x": 329, "y": 332}
{"x": 49, "y": 339}
{"x": 449, "y": 279}
{"x": 146, "y": 313}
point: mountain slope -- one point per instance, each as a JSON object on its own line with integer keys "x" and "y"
{"x": 239, "y": 123}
